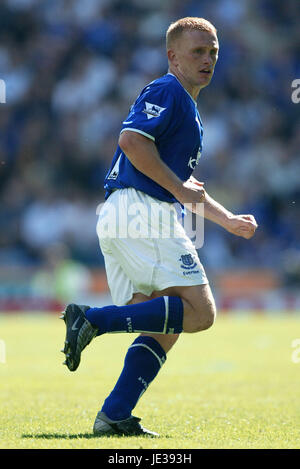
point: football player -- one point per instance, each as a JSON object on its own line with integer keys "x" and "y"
{"x": 157, "y": 282}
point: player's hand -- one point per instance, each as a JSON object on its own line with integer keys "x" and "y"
{"x": 194, "y": 184}
{"x": 191, "y": 192}
{"x": 242, "y": 225}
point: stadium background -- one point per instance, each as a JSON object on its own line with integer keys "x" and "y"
{"x": 72, "y": 70}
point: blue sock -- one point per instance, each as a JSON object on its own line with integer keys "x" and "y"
{"x": 162, "y": 315}
{"x": 142, "y": 363}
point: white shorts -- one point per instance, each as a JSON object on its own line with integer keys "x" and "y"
{"x": 145, "y": 247}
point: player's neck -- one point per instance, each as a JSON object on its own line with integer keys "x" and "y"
{"x": 192, "y": 90}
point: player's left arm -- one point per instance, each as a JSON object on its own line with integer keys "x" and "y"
{"x": 240, "y": 225}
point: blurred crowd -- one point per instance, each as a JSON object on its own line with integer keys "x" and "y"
{"x": 72, "y": 69}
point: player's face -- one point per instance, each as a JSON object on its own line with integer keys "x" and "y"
{"x": 194, "y": 57}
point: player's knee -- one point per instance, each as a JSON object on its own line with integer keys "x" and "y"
{"x": 208, "y": 318}
{"x": 202, "y": 319}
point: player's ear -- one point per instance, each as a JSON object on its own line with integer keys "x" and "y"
{"x": 172, "y": 57}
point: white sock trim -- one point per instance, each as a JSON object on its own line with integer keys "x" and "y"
{"x": 150, "y": 349}
{"x": 166, "y": 298}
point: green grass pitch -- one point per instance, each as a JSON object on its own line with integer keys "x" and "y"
{"x": 235, "y": 385}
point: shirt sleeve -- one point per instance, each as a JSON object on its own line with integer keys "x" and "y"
{"x": 152, "y": 113}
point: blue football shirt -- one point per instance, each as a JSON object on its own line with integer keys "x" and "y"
{"x": 167, "y": 114}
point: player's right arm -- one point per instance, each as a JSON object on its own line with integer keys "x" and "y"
{"x": 144, "y": 156}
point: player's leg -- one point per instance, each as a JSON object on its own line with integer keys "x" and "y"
{"x": 147, "y": 263}
{"x": 137, "y": 264}
{"x": 198, "y": 305}
{"x": 165, "y": 340}
{"x": 143, "y": 361}
{"x": 167, "y": 312}
{"x": 175, "y": 309}
{"x": 148, "y": 352}
{"x": 170, "y": 311}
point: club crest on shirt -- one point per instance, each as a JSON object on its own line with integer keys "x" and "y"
{"x": 152, "y": 110}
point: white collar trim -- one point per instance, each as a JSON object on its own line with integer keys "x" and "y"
{"x": 195, "y": 102}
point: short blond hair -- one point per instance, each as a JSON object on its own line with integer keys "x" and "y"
{"x": 189, "y": 23}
